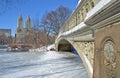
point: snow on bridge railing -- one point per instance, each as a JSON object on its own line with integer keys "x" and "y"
{"x": 100, "y": 5}
{"x": 79, "y": 26}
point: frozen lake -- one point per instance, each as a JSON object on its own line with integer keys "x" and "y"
{"x": 41, "y": 65}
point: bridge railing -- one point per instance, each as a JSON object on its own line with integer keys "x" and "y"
{"x": 78, "y": 15}
{"x": 84, "y": 10}
{"x": 97, "y": 16}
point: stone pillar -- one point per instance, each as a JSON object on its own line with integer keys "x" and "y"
{"x": 107, "y": 52}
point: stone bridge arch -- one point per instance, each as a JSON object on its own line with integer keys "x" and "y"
{"x": 65, "y": 45}
{"x": 68, "y": 45}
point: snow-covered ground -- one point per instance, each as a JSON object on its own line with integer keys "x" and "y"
{"x": 44, "y": 48}
{"x": 41, "y": 65}
{"x": 52, "y": 46}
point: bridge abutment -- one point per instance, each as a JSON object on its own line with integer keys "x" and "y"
{"x": 107, "y": 52}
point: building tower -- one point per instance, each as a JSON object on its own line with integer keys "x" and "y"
{"x": 28, "y": 23}
{"x": 19, "y": 35}
{"x": 21, "y": 32}
{"x": 20, "y": 22}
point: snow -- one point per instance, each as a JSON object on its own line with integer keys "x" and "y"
{"x": 79, "y": 2}
{"x": 77, "y": 5}
{"x": 3, "y": 47}
{"x": 41, "y": 65}
{"x": 43, "y": 48}
{"x": 51, "y": 47}
{"x": 79, "y": 26}
{"x": 88, "y": 63}
{"x": 100, "y": 5}
{"x": 3, "y": 50}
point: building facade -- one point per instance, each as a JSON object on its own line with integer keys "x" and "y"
{"x": 5, "y": 36}
{"x": 21, "y": 32}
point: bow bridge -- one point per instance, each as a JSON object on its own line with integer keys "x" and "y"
{"x": 93, "y": 31}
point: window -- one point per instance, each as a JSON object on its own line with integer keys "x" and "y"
{"x": 92, "y": 4}
{"x": 86, "y": 10}
{"x": 19, "y": 30}
{"x": 87, "y": 7}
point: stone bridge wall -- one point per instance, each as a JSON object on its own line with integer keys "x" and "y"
{"x": 88, "y": 50}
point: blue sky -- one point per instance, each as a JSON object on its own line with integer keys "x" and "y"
{"x": 33, "y": 8}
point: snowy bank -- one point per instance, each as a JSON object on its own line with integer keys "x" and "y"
{"x": 51, "y": 47}
{"x": 43, "y": 48}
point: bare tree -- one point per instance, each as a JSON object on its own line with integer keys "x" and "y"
{"x": 48, "y": 27}
{"x": 53, "y": 20}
